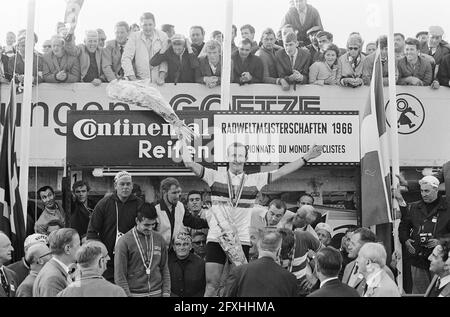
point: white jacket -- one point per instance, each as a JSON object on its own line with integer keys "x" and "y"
{"x": 164, "y": 223}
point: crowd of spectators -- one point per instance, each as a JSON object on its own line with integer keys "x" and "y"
{"x": 301, "y": 52}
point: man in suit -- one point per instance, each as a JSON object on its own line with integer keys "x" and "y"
{"x": 210, "y": 68}
{"x": 328, "y": 264}
{"x": 440, "y": 266}
{"x": 112, "y": 53}
{"x": 293, "y": 62}
{"x": 54, "y": 276}
{"x": 247, "y": 68}
{"x": 58, "y": 66}
{"x": 352, "y": 275}
{"x": 263, "y": 277}
{"x": 371, "y": 261}
{"x": 8, "y": 283}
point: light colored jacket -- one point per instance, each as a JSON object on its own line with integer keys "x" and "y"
{"x": 111, "y": 60}
{"x": 136, "y": 54}
{"x": 382, "y": 286}
{"x": 83, "y": 56}
{"x": 51, "y": 280}
{"x": 321, "y": 71}
{"x": 165, "y": 228}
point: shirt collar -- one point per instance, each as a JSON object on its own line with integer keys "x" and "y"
{"x": 65, "y": 267}
{"x": 373, "y": 279}
{"x": 327, "y": 280}
{"x": 304, "y": 10}
{"x": 444, "y": 281}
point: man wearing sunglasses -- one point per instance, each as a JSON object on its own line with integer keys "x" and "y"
{"x": 199, "y": 244}
{"x": 37, "y": 255}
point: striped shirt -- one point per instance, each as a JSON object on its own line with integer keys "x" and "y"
{"x": 241, "y": 215}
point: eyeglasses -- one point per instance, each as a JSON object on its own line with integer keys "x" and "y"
{"x": 46, "y": 254}
{"x": 353, "y": 48}
{"x": 199, "y": 242}
{"x": 47, "y": 46}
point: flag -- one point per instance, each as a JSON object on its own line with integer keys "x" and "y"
{"x": 375, "y": 167}
{"x": 72, "y": 11}
{"x": 11, "y": 215}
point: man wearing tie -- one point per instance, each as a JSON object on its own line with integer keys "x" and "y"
{"x": 7, "y": 277}
{"x": 439, "y": 265}
{"x": 112, "y": 53}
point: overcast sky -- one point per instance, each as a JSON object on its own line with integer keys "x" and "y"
{"x": 341, "y": 17}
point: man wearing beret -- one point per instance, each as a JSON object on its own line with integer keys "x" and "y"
{"x": 423, "y": 223}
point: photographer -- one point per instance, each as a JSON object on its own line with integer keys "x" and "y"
{"x": 423, "y": 222}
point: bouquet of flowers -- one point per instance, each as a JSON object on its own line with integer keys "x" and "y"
{"x": 229, "y": 239}
{"x": 142, "y": 94}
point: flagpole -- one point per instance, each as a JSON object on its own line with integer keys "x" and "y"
{"x": 226, "y": 57}
{"x": 26, "y": 108}
{"x": 393, "y": 135}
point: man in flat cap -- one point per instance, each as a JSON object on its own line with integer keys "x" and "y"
{"x": 438, "y": 48}
{"x": 423, "y": 223}
{"x": 113, "y": 216}
{"x": 314, "y": 46}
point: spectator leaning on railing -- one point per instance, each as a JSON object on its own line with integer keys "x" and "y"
{"x": 325, "y": 72}
{"x": 351, "y": 63}
{"x": 112, "y": 53}
{"x": 414, "y": 70}
{"x": 210, "y": 66}
{"x": 247, "y": 68}
{"x": 382, "y": 43}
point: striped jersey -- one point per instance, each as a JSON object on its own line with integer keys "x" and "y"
{"x": 241, "y": 215}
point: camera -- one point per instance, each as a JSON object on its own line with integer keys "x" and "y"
{"x": 425, "y": 237}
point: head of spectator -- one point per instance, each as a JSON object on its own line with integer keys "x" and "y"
{"x": 197, "y": 35}
{"x": 312, "y": 32}
{"x": 277, "y": 209}
{"x": 46, "y": 46}
{"x": 328, "y": 263}
{"x": 345, "y": 241}
{"x": 359, "y": 237}
{"x": 331, "y": 54}
{"x": 123, "y": 184}
{"x": 171, "y": 191}
{"x": 439, "y": 257}
{"x": 287, "y": 246}
{"x": 54, "y": 225}
{"x": 148, "y": 24}
{"x": 64, "y": 244}
{"x": 101, "y": 38}
{"x": 199, "y": 243}
{"x": 121, "y": 31}
{"x": 268, "y": 39}
{"x": 423, "y": 37}
{"x": 194, "y": 202}
{"x": 237, "y": 153}
{"x": 399, "y": 43}
{"x": 436, "y": 33}
{"x": 324, "y": 233}
{"x": 429, "y": 188}
{"x": 92, "y": 257}
{"x": 371, "y": 47}
{"x": 371, "y": 258}
{"x": 47, "y": 196}
{"x": 146, "y": 219}
{"x": 382, "y": 44}
{"x": 6, "y": 249}
{"x": 304, "y": 216}
{"x": 33, "y": 239}
{"x": 324, "y": 38}
{"x": 10, "y": 38}
{"x": 233, "y": 32}
{"x": 217, "y": 35}
{"x": 37, "y": 255}
{"x": 305, "y": 199}
{"x": 213, "y": 51}
{"x": 354, "y": 45}
{"x": 290, "y": 44}
{"x": 134, "y": 27}
{"x": 61, "y": 29}
{"x": 178, "y": 44}
{"x": 182, "y": 245}
{"x": 21, "y": 41}
{"x": 269, "y": 244}
{"x": 81, "y": 189}
{"x": 286, "y": 29}
{"x": 248, "y": 32}
{"x": 300, "y": 5}
{"x": 58, "y": 46}
{"x": 169, "y": 29}
{"x": 91, "y": 40}
{"x": 412, "y": 49}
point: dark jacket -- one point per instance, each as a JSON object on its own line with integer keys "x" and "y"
{"x": 102, "y": 225}
{"x": 38, "y": 67}
{"x": 335, "y": 288}
{"x": 198, "y": 48}
{"x": 443, "y": 75}
{"x": 187, "y": 277}
{"x": 302, "y": 63}
{"x": 12, "y": 282}
{"x": 312, "y": 19}
{"x": 442, "y": 50}
{"x": 70, "y": 64}
{"x": 204, "y": 70}
{"x": 21, "y": 269}
{"x": 261, "y": 278}
{"x": 80, "y": 216}
{"x": 269, "y": 63}
{"x": 422, "y": 70}
{"x": 178, "y": 71}
{"x": 437, "y": 222}
{"x": 251, "y": 64}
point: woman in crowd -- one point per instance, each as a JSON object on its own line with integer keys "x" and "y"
{"x": 325, "y": 72}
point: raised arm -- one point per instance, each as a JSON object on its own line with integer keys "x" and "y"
{"x": 314, "y": 151}
{"x": 187, "y": 159}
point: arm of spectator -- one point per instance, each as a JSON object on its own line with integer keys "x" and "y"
{"x": 443, "y": 74}
{"x": 121, "y": 265}
{"x": 367, "y": 71}
{"x": 266, "y": 76}
{"x": 107, "y": 63}
{"x": 164, "y": 67}
{"x": 405, "y": 225}
{"x": 258, "y": 73}
{"x": 49, "y": 77}
{"x": 194, "y": 222}
{"x": 74, "y": 73}
{"x": 127, "y": 57}
{"x": 158, "y": 58}
{"x": 195, "y": 167}
{"x": 199, "y": 78}
{"x": 428, "y": 74}
{"x": 72, "y": 49}
{"x": 313, "y": 74}
{"x": 165, "y": 273}
{"x": 193, "y": 61}
{"x": 96, "y": 222}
